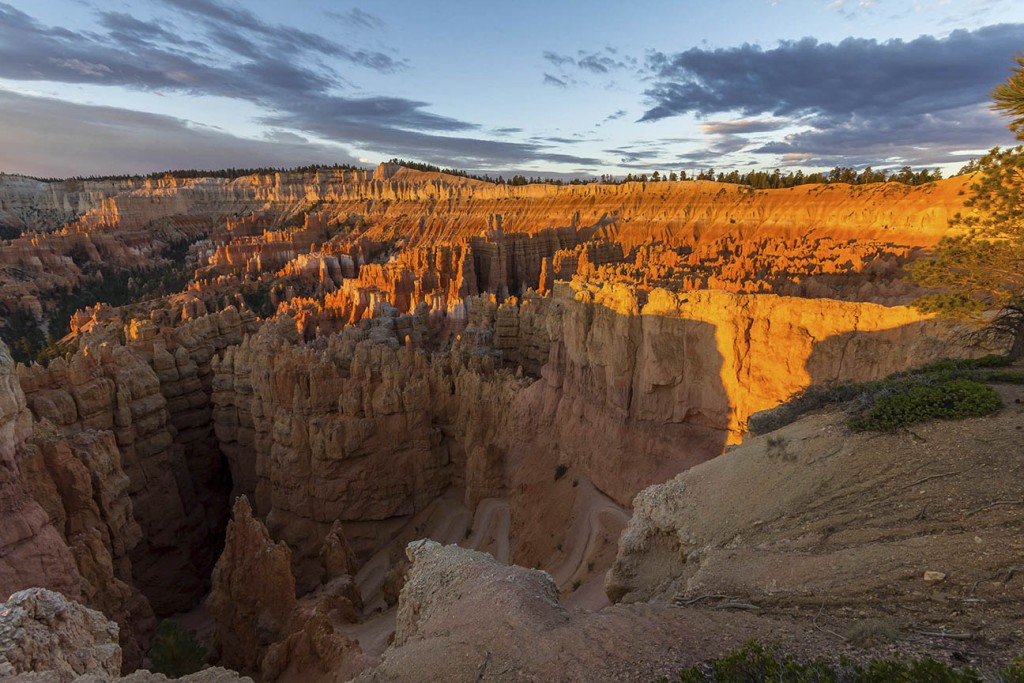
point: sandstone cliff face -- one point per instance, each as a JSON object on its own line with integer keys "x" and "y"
{"x": 355, "y": 428}
{"x": 691, "y": 368}
{"x": 32, "y": 204}
{"x": 633, "y": 387}
{"x": 80, "y": 483}
{"x": 434, "y": 208}
{"x": 32, "y": 552}
{"x": 111, "y": 388}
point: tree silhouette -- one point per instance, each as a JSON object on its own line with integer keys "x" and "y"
{"x": 979, "y": 271}
{"x": 1008, "y": 97}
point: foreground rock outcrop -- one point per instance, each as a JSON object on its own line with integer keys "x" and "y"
{"x": 47, "y": 638}
{"x": 41, "y": 631}
{"x": 848, "y": 519}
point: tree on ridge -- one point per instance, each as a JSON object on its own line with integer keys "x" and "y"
{"x": 980, "y": 270}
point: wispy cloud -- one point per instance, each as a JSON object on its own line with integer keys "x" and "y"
{"x": 238, "y": 55}
{"x": 357, "y": 18}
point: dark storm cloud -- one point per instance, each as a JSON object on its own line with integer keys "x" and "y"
{"x": 246, "y": 60}
{"x": 48, "y": 137}
{"x": 910, "y": 101}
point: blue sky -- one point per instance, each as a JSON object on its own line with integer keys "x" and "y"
{"x": 536, "y": 87}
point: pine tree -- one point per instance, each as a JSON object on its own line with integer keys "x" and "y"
{"x": 980, "y": 271}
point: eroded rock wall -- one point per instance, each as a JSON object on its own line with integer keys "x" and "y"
{"x": 32, "y": 552}
{"x": 112, "y": 388}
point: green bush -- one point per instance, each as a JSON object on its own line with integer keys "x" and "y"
{"x": 175, "y": 651}
{"x": 946, "y": 389}
{"x": 1002, "y": 376}
{"x": 755, "y": 663}
{"x": 1013, "y": 673}
{"x": 906, "y": 404}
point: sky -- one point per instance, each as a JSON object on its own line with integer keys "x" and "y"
{"x": 552, "y": 88}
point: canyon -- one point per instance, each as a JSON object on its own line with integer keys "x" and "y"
{"x": 382, "y": 402}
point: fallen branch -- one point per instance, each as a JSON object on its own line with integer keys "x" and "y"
{"x": 992, "y": 505}
{"x": 684, "y": 603}
{"x": 953, "y": 636}
{"x": 483, "y": 667}
{"x": 814, "y": 622}
{"x": 934, "y": 476}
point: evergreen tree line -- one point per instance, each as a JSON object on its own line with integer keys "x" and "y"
{"x": 229, "y": 173}
{"x": 757, "y": 179}
{"x": 763, "y": 180}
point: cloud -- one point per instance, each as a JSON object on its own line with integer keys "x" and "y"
{"x": 900, "y": 98}
{"x": 559, "y": 60}
{"x": 598, "y": 62}
{"x": 248, "y": 59}
{"x": 857, "y": 75}
{"x": 742, "y": 126}
{"x": 357, "y": 18}
{"x": 896, "y": 140}
{"x": 557, "y": 82}
{"x": 49, "y": 137}
{"x": 601, "y": 63}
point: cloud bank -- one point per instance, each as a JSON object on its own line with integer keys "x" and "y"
{"x": 907, "y": 101}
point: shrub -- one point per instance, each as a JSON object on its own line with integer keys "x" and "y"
{"x": 755, "y": 663}
{"x": 175, "y": 651}
{"x": 898, "y": 406}
{"x": 1013, "y": 673}
{"x": 946, "y": 389}
{"x": 870, "y": 632}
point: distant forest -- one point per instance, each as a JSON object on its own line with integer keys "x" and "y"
{"x": 756, "y": 179}
{"x": 229, "y": 173}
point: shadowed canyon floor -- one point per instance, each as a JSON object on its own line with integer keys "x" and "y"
{"x": 343, "y": 364}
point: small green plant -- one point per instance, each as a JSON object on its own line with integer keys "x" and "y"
{"x": 1014, "y": 673}
{"x": 947, "y": 389}
{"x": 176, "y": 652}
{"x": 871, "y": 632}
{"x": 1002, "y": 376}
{"x": 905, "y": 404}
{"x": 754, "y": 663}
